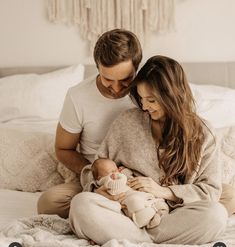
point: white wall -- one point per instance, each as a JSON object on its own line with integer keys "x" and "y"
{"x": 204, "y": 32}
{"x": 28, "y": 38}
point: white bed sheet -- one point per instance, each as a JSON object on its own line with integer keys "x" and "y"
{"x": 15, "y": 205}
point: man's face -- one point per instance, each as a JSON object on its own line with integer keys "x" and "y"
{"x": 114, "y": 81}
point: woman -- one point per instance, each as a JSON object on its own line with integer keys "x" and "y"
{"x": 177, "y": 157}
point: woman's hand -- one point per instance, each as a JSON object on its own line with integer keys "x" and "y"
{"x": 103, "y": 191}
{"x": 146, "y": 184}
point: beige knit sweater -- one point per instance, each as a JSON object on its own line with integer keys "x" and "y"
{"x": 129, "y": 142}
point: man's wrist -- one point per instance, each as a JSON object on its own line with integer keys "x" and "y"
{"x": 80, "y": 166}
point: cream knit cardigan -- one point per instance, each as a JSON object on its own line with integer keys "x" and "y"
{"x": 129, "y": 142}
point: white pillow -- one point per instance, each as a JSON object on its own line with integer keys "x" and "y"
{"x": 27, "y": 161}
{"x": 37, "y": 95}
{"x": 215, "y": 104}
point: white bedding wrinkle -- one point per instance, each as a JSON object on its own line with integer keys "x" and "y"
{"x": 16, "y": 204}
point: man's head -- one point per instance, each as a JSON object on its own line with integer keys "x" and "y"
{"x": 116, "y": 46}
{"x": 117, "y": 55}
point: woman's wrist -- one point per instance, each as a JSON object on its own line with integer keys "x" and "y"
{"x": 167, "y": 194}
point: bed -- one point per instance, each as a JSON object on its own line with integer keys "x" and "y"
{"x": 30, "y": 103}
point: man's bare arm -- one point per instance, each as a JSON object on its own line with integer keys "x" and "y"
{"x": 65, "y": 147}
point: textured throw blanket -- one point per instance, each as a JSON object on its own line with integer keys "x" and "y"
{"x": 226, "y": 138}
{"x": 27, "y": 161}
{"x": 53, "y": 231}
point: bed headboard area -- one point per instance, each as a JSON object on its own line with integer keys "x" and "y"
{"x": 90, "y": 69}
{"x": 215, "y": 73}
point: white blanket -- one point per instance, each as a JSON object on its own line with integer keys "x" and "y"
{"x": 53, "y": 231}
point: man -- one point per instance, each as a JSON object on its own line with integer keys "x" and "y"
{"x": 89, "y": 109}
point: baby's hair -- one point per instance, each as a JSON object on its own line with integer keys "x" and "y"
{"x": 94, "y": 168}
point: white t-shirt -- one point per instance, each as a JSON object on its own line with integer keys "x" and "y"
{"x": 86, "y": 110}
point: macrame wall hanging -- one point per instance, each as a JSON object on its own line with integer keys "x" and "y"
{"x": 93, "y": 17}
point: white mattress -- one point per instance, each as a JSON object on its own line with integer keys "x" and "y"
{"x": 16, "y": 204}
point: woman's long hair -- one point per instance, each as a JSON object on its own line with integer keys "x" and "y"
{"x": 182, "y": 135}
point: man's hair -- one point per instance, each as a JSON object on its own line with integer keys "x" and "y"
{"x": 116, "y": 46}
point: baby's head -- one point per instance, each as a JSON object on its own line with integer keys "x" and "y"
{"x": 106, "y": 173}
{"x": 102, "y": 167}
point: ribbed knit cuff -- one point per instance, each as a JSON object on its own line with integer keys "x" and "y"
{"x": 114, "y": 186}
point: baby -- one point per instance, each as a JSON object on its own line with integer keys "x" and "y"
{"x": 143, "y": 208}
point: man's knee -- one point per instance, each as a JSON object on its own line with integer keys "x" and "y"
{"x": 47, "y": 202}
{"x": 52, "y": 203}
{"x": 57, "y": 199}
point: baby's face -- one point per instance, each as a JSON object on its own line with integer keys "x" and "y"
{"x": 107, "y": 167}
{"x": 115, "y": 175}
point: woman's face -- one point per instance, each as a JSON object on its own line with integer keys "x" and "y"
{"x": 149, "y": 101}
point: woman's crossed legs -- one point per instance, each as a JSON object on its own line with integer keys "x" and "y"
{"x": 94, "y": 217}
